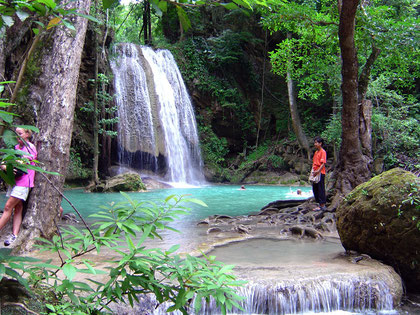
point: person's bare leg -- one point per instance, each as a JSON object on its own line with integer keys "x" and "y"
{"x": 17, "y": 217}
{"x": 7, "y": 212}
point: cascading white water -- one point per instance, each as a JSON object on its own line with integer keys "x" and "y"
{"x": 156, "y": 117}
{"x": 348, "y": 295}
{"x": 177, "y": 117}
{"x": 135, "y": 128}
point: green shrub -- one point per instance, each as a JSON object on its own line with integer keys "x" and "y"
{"x": 214, "y": 149}
{"x": 76, "y": 168}
{"x": 276, "y": 161}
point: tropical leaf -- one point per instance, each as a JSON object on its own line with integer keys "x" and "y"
{"x": 22, "y": 15}
{"x": 49, "y": 3}
{"x": 108, "y": 3}
{"x": 183, "y": 18}
{"x": 8, "y": 20}
{"x": 54, "y": 22}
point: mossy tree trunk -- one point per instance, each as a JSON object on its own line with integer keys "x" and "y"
{"x": 54, "y": 96}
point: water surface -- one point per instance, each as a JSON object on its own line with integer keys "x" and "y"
{"x": 220, "y": 199}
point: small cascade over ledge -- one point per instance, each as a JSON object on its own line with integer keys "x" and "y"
{"x": 349, "y": 294}
{"x": 157, "y": 129}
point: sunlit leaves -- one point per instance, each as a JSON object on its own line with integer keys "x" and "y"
{"x": 185, "y": 21}
{"x": 45, "y": 10}
{"x": 108, "y": 3}
{"x": 13, "y": 266}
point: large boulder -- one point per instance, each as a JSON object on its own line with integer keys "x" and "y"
{"x": 121, "y": 182}
{"x": 381, "y": 218}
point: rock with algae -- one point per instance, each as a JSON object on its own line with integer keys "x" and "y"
{"x": 381, "y": 218}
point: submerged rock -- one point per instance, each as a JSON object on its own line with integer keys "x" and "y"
{"x": 382, "y": 219}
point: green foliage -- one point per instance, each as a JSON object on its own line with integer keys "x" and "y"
{"x": 412, "y": 199}
{"x": 263, "y": 153}
{"x": 134, "y": 269}
{"x": 14, "y": 266}
{"x": 159, "y": 7}
{"x": 332, "y": 132}
{"x": 105, "y": 111}
{"x": 254, "y": 156}
{"x": 76, "y": 167}
{"x": 127, "y": 23}
{"x": 311, "y": 55}
{"x": 393, "y": 27}
{"x": 49, "y": 13}
{"x": 225, "y": 49}
{"x": 214, "y": 149}
{"x": 196, "y": 58}
{"x": 276, "y": 161}
{"x": 395, "y": 125}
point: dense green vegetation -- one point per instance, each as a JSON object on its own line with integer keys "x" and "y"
{"x": 210, "y": 55}
{"x": 119, "y": 232}
{"x": 236, "y": 61}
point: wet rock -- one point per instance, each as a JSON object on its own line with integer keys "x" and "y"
{"x": 281, "y": 204}
{"x": 269, "y": 211}
{"x": 380, "y": 218}
{"x": 222, "y": 216}
{"x": 69, "y": 217}
{"x": 355, "y": 260}
{"x": 121, "y": 182}
{"x": 305, "y": 231}
{"x": 152, "y": 183}
{"x": 240, "y": 228}
{"x": 214, "y": 230}
{"x": 281, "y": 219}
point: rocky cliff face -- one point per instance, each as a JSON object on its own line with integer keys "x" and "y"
{"x": 382, "y": 219}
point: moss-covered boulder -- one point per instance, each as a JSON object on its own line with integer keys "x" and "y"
{"x": 121, "y": 182}
{"x": 382, "y": 219}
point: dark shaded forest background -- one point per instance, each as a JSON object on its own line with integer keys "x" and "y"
{"x": 235, "y": 64}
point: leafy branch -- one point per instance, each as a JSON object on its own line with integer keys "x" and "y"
{"x": 122, "y": 228}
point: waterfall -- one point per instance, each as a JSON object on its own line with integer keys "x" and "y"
{"x": 355, "y": 295}
{"x": 157, "y": 127}
{"x": 314, "y": 296}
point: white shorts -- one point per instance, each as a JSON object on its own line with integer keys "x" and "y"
{"x": 18, "y": 192}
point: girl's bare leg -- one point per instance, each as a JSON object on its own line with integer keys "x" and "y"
{"x": 7, "y": 212}
{"x": 17, "y": 217}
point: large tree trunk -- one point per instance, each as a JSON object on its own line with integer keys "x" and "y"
{"x": 294, "y": 113}
{"x": 353, "y": 166}
{"x": 365, "y": 107}
{"x": 54, "y": 94}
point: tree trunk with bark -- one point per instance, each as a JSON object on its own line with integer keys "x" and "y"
{"x": 54, "y": 96}
{"x": 294, "y": 113}
{"x": 353, "y": 165}
{"x": 365, "y": 107}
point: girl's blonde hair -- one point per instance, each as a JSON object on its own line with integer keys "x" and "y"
{"x": 28, "y": 131}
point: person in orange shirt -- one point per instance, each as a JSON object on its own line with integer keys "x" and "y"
{"x": 318, "y": 165}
